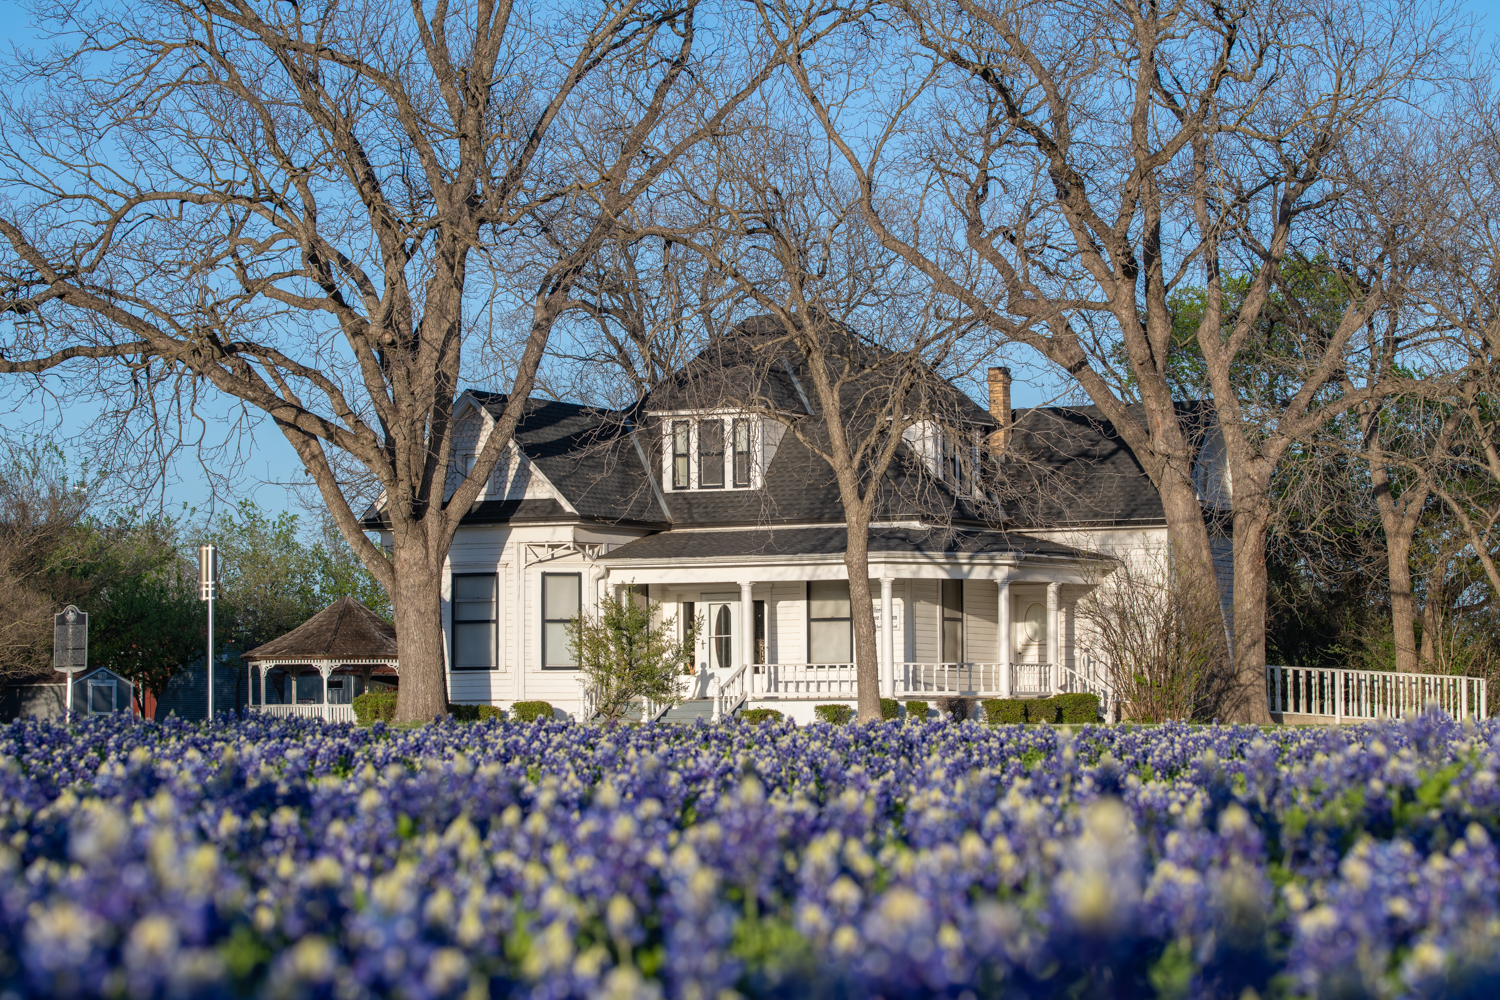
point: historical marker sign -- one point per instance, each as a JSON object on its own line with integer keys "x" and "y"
{"x": 70, "y": 639}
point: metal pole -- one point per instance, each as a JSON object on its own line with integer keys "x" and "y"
{"x": 208, "y": 658}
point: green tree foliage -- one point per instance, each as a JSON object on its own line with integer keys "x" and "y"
{"x": 626, "y": 659}
{"x": 146, "y": 628}
{"x": 273, "y": 579}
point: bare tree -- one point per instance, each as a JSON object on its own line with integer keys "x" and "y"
{"x": 1063, "y": 169}
{"x": 1162, "y": 652}
{"x": 313, "y": 209}
{"x": 857, "y": 325}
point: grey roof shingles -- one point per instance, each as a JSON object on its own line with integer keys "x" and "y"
{"x": 345, "y": 630}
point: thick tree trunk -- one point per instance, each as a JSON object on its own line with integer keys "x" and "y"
{"x": 1246, "y": 701}
{"x": 422, "y": 694}
{"x": 862, "y": 616}
{"x": 1403, "y": 597}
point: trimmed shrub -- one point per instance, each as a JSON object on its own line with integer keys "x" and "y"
{"x": 1043, "y": 710}
{"x": 836, "y": 714}
{"x": 916, "y": 709}
{"x": 374, "y": 706}
{"x": 1005, "y": 711}
{"x": 530, "y": 711}
{"x": 1077, "y": 708}
{"x": 475, "y": 713}
{"x": 755, "y": 716}
{"x": 890, "y": 709}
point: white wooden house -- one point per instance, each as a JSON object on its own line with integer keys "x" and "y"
{"x": 722, "y": 514}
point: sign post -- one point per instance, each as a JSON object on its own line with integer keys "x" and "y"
{"x": 208, "y": 589}
{"x": 70, "y": 645}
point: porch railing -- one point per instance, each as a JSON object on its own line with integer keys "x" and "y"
{"x": 1371, "y": 694}
{"x": 731, "y": 691}
{"x": 974, "y": 679}
{"x": 804, "y": 680}
{"x": 1089, "y": 675}
{"x": 328, "y": 713}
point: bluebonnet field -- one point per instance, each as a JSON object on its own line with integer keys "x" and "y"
{"x": 289, "y": 858}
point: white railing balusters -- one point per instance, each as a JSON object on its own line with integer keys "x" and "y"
{"x": 329, "y": 713}
{"x": 1372, "y": 694}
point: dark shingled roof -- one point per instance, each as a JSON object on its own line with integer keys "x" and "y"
{"x": 585, "y": 452}
{"x": 1068, "y": 465}
{"x": 345, "y": 630}
{"x": 832, "y": 540}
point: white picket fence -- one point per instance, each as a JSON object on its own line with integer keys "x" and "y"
{"x": 1371, "y": 694}
{"x": 328, "y": 713}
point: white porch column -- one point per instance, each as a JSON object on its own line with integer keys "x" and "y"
{"x": 888, "y": 632}
{"x": 265, "y": 668}
{"x": 747, "y": 623}
{"x": 1003, "y": 630}
{"x": 324, "y": 669}
{"x": 1054, "y": 644}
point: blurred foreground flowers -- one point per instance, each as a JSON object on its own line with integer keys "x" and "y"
{"x": 288, "y": 858}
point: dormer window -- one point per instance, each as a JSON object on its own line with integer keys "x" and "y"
{"x": 712, "y": 452}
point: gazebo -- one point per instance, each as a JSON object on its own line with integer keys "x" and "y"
{"x": 346, "y": 642}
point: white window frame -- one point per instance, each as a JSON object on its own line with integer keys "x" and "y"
{"x": 727, "y": 418}
{"x": 114, "y": 696}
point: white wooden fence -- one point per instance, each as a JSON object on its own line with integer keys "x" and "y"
{"x": 328, "y": 713}
{"x": 1371, "y": 694}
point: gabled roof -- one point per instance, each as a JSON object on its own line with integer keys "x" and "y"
{"x": 1069, "y": 465}
{"x": 345, "y": 630}
{"x": 585, "y": 452}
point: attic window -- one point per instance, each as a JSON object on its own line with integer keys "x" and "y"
{"x": 711, "y": 452}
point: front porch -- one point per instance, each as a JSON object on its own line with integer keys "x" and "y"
{"x": 992, "y": 621}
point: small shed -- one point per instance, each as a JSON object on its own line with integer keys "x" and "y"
{"x": 99, "y": 691}
{"x": 318, "y": 668}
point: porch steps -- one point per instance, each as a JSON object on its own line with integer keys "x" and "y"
{"x": 686, "y": 713}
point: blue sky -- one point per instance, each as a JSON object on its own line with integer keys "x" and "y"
{"x": 268, "y": 463}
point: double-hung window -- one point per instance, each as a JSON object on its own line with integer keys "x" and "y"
{"x": 681, "y": 453}
{"x": 710, "y": 454}
{"x": 101, "y": 697}
{"x": 741, "y": 435}
{"x": 830, "y": 631}
{"x": 562, "y": 600}
{"x": 475, "y": 621}
{"x": 953, "y": 621}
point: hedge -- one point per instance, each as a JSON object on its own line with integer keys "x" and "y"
{"x": 530, "y": 711}
{"x": 374, "y": 706}
{"x": 916, "y": 709}
{"x": 1077, "y": 708}
{"x": 890, "y": 709}
{"x": 755, "y": 716}
{"x": 1065, "y": 708}
{"x": 836, "y": 714}
{"x": 475, "y": 713}
{"x": 1004, "y": 711}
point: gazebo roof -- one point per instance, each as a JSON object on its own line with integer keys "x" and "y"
{"x": 345, "y": 630}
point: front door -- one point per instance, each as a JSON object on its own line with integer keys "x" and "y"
{"x": 723, "y": 653}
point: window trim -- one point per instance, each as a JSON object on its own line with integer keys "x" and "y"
{"x": 702, "y": 483}
{"x": 686, "y": 454}
{"x": 454, "y": 622}
{"x": 545, "y": 621}
{"x": 736, "y": 424}
{"x": 114, "y": 695}
{"x": 944, "y": 619}
{"x": 807, "y": 613}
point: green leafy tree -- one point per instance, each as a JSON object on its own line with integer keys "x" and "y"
{"x": 273, "y": 579}
{"x": 625, "y": 658}
{"x": 146, "y": 628}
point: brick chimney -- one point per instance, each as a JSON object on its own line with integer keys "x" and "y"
{"x": 1000, "y": 409}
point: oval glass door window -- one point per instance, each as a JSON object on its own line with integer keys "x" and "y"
{"x": 723, "y": 638}
{"x": 1035, "y": 623}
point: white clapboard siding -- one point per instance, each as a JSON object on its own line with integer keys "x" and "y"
{"x": 925, "y": 627}
{"x": 981, "y": 614}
